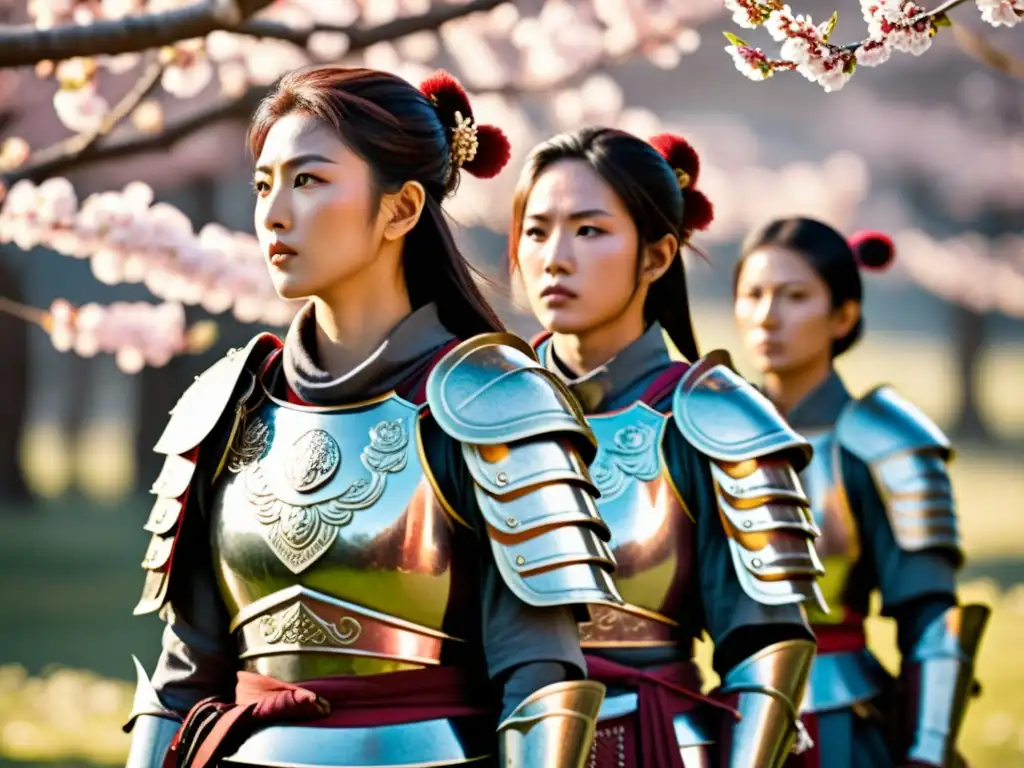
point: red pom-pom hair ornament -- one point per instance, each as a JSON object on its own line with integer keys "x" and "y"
{"x": 873, "y": 250}
{"x": 698, "y": 212}
{"x": 482, "y": 150}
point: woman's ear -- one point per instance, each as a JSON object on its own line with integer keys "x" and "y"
{"x": 657, "y": 258}
{"x": 844, "y": 318}
{"x": 404, "y": 209}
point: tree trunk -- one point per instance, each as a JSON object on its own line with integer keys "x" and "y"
{"x": 14, "y": 491}
{"x": 970, "y": 336}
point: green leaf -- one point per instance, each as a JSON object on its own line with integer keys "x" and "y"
{"x": 831, "y": 26}
{"x": 851, "y": 66}
{"x": 738, "y": 42}
{"x": 942, "y": 20}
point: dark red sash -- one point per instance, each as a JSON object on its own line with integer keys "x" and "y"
{"x": 662, "y": 694}
{"x": 844, "y": 637}
{"x": 213, "y": 728}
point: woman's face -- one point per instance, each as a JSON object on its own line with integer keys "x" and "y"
{"x": 316, "y": 217}
{"x": 577, "y": 252}
{"x": 784, "y": 312}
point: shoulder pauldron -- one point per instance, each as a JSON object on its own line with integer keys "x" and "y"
{"x": 754, "y": 457}
{"x": 527, "y": 446}
{"x": 226, "y": 386}
{"x": 907, "y": 456}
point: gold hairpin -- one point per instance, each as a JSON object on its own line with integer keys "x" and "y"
{"x": 464, "y": 140}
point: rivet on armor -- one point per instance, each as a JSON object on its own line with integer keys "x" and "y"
{"x": 502, "y": 478}
{"x": 747, "y": 524}
{"x": 756, "y": 563}
{"x": 511, "y": 522}
{"x": 520, "y": 560}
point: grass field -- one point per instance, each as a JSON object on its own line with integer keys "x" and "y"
{"x": 70, "y": 576}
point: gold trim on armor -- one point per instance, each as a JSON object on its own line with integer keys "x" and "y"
{"x": 236, "y": 424}
{"x": 300, "y": 620}
{"x": 331, "y": 408}
{"x": 428, "y": 472}
{"x": 672, "y": 484}
{"x": 608, "y": 626}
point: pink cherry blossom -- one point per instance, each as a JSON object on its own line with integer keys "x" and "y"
{"x": 752, "y": 62}
{"x": 81, "y": 109}
{"x": 893, "y": 25}
{"x": 136, "y": 333}
{"x": 1007, "y": 13}
{"x": 747, "y": 13}
{"x": 130, "y": 240}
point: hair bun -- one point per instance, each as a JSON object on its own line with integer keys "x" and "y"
{"x": 678, "y": 153}
{"x": 481, "y": 150}
{"x": 873, "y": 250}
{"x": 698, "y": 212}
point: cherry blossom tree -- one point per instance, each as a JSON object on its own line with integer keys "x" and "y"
{"x": 531, "y": 66}
{"x": 893, "y": 26}
{"x": 222, "y": 55}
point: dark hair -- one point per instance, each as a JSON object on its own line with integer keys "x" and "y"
{"x": 397, "y": 130}
{"x": 651, "y": 192}
{"x": 836, "y": 260}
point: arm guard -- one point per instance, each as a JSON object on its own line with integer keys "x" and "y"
{"x": 907, "y": 456}
{"x": 769, "y": 686}
{"x": 526, "y": 445}
{"x": 553, "y": 728}
{"x": 225, "y": 386}
{"x": 938, "y": 676}
{"x": 151, "y": 724}
{"x": 754, "y": 457}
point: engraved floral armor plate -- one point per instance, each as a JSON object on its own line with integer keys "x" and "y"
{"x": 651, "y": 531}
{"x": 332, "y": 551}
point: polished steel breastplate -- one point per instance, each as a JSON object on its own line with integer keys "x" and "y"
{"x": 839, "y": 543}
{"x": 651, "y": 531}
{"x": 332, "y": 550}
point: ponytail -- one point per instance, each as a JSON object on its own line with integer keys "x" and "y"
{"x": 435, "y": 271}
{"x": 668, "y": 303}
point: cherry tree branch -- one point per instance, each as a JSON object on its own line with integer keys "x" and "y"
{"x": 362, "y": 37}
{"x": 76, "y": 153}
{"x": 980, "y": 49}
{"x": 71, "y": 149}
{"x": 935, "y": 13}
{"x": 24, "y": 45}
{"x": 61, "y": 160}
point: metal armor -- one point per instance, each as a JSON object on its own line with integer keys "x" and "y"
{"x": 838, "y": 546}
{"x": 651, "y": 535}
{"x": 938, "y": 675}
{"x": 907, "y": 456}
{"x": 842, "y": 679}
{"x": 651, "y": 532}
{"x": 770, "y": 684}
{"x": 334, "y": 549}
{"x": 151, "y": 724}
{"x": 552, "y": 728}
{"x": 535, "y": 494}
{"x": 752, "y": 455}
{"x": 755, "y": 457}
